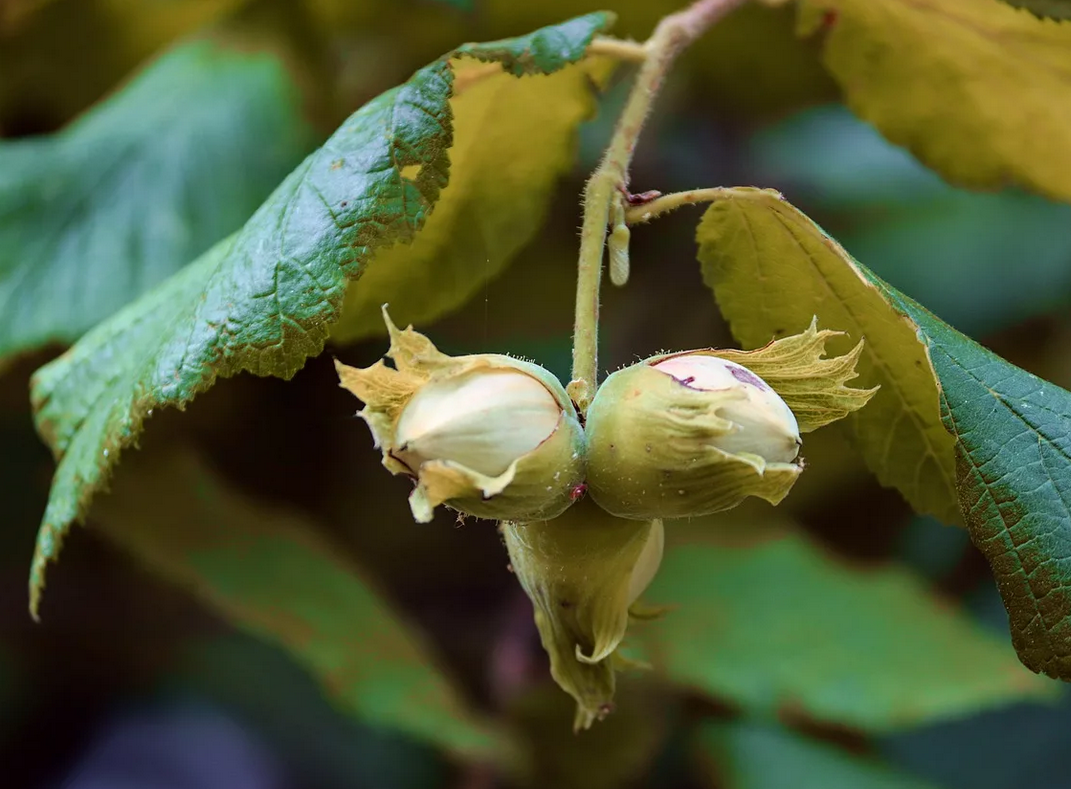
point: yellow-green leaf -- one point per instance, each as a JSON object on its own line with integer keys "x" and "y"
{"x": 272, "y": 575}
{"x": 772, "y": 273}
{"x": 978, "y": 90}
{"x": 502, "y": 175}
{"x": 1010, "y": 430}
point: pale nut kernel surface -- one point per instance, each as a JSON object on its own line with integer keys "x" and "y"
{"x": 483, "y": 419}
{"x": 764, "y": 424}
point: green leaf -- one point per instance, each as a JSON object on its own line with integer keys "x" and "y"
{"x": 1009, "y": 432}
{"x": 1013, "y": 469}
{"x": 1045, "y": 9}
{"x": 93, "y": 216}
{"x": 269, "y": 573}
{"x": 542, "y": 52}
{"x": 979, "y": 91}
{"x": 751, "y": 246}
{"x": 496, "y": 201}
{"x": 748, "y": 755}
{"x": 764, "y": 619}
{"x": 263, "y": 299}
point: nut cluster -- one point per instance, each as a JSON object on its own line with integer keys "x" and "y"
{"x": 674, "y": 436}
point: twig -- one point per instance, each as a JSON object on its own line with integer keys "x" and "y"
{"x": 609, "y": 182}
{"x": 663, "y": 204}
{"x": 618, "y": 49}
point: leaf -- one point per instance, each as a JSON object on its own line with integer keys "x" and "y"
{"x": 269, "y": 573}
{"x": 495, "y": 203}
{"x": 261, "y": 300}
{"x": 1010, "y": 431}
{"x": 748, "y": 755}
{"x": 751, "y": 246}
{"x": 1013, "y": 469}
{"x": 542, "y": 52}
{"x": 917, "y": 232}
{"x": 979, "y": 91}
{"x": 99, "y": 213}
{"x": 773, "y": 625}
{"x": 1021, "y": 746}
{"x": 1045, "y": 9}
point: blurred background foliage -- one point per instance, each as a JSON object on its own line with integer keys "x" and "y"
{"x": 253, "y": 605}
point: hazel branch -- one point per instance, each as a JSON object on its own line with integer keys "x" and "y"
{"x": 609, "y": 182}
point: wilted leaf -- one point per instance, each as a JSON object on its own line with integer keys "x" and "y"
{"x": 1046, "y": 9}
{"x": 497, "y": 199}
{"x": 752, "y": 246}
{"x": 756, "y": 756}
{"x": 92, "y": 217}
{"x": 1009, "y": 432}
{"x": 269, "y": 573}
{"x": 979, "y": 91}
{"x": 772, "y": 624}
{"x": 263, "y": 299}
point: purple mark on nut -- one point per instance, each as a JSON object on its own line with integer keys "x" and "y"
{"x": 747, "y": 377}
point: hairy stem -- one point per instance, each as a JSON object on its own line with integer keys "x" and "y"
{"x": 607, "y": 187}
{"x": 663, "y": 204}
{"x": 618, "y": 49}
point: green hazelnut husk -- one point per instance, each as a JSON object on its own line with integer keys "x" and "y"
{"x": 652, "y": 451}
{"x": 487, "y": 435}
{"x": 662, "y": 446}
{"x": 584, "y": 572}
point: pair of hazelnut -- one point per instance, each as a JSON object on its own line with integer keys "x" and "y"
{"x": 674, "y": 436}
